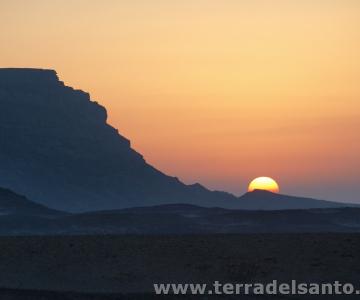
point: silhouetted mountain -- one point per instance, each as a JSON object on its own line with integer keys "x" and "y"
{"x": 14, "y": 204}
{"x": 264, "y": 200}
{"x": 18, "y": 215}
{"x": 183, "y": 219}
{"x": 57, "y": 149}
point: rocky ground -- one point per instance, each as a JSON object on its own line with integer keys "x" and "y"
{"x": 125, "y": 267}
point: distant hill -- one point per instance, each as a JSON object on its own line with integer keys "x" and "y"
{"x": 182, "y": 219}
{"x": 18, "y": 215}
{"x": 21, "y": 216}
{"x": 14, "y": 204}
{"x": 264, "y": 200}
{"x": 57, "y": 149}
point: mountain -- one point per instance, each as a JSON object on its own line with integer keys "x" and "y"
{"x": 57, "y": 148}
{"x": 14, "y": 204}
{"x": 264, "y": 200}
{"x": 19, "y": 215}
{"x": 182, "y": 219}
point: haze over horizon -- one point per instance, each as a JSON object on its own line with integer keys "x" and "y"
{"x": 210, "y": 92}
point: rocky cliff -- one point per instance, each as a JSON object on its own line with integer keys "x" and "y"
{"x": 57, "y": 148}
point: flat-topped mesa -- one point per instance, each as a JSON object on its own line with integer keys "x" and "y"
{"x": 41, "y": 93}
{"x": 57, "y": 148}
{"x": 27, "y": 77}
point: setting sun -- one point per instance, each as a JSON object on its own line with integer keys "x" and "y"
{"x": 264, "y": 183}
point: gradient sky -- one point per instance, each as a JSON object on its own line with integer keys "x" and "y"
{"x": 216, "y": 92}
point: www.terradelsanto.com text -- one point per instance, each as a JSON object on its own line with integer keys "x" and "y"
{"x": 271, "y": 288}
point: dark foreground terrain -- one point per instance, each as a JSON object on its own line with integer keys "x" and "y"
{"x": 125, "y": 267}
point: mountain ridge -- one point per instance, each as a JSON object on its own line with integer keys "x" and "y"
{"x": 58, "y": 149}
{"x": 21, "y": 216}
{"x": 266, "y": 200}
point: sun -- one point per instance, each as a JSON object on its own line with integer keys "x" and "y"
{"x": 264, "y": 183}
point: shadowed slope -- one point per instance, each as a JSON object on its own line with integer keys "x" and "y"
{"x": 14, "y": 204}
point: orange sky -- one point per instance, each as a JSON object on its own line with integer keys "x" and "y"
{"x": 217, "y": 92}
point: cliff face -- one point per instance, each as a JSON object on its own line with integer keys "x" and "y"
{"x": 57, "y": 148}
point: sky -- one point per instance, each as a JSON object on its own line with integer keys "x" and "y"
{"x": 216, "y": 92}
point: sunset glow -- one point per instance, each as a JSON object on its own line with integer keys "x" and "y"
{"x": 201, "y": 88}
